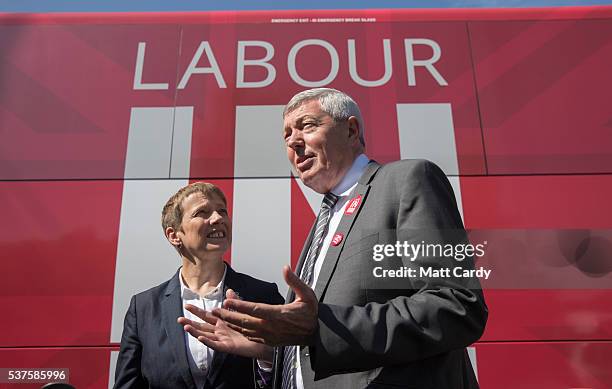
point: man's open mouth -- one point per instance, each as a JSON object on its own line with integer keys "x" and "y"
{"x": 304, "y": 162}
{"x": 216, "y": 234}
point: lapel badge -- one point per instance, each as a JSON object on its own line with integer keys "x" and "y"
{"x": 353, "y": 204}
{"x": 337, "y": 239}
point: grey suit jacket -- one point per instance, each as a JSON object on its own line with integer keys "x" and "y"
{"x": 401, "y": 333}
{"x": 153, "y": 353}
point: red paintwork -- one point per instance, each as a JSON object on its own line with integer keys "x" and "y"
{"x": 583, "y": 365}
{"x": 58, "y": 244}
{"x": 88, "y": 366}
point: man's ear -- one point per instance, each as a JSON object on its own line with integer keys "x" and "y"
{"x": 172, "y": 237}
{"x": 354, "y": 128}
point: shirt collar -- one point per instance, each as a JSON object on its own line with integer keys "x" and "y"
{"x": 352, "y": 176}
{"x": 215, "y": 294}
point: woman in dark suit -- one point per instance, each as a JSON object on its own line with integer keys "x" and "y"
{"x": 155, "y": 351}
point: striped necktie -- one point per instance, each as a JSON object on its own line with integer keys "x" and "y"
{"x": 289, "y": 357}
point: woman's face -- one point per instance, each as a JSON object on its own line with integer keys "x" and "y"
{"x": 206, "y": 228}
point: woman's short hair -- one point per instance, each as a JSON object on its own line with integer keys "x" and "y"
{"x": 172, "y": 213}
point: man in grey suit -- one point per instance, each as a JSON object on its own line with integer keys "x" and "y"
{"x": 342, "y": 326}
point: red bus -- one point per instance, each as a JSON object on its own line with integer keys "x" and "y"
{"x": 103, "y": 116}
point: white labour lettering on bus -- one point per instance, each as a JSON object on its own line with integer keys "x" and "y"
{"x": 205, "y": 49}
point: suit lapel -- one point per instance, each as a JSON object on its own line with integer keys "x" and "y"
{"x": 344, "y": 228}
{"x": 172, "y": 308}
{"x": 231, "y": 282}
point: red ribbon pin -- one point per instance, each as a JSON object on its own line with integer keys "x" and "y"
{"x": 353, "y": 204}
{"x": 337, "y": 239}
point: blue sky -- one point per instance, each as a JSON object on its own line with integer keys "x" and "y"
{"x": 203, "y": 5}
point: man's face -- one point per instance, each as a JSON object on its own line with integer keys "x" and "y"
{"x": 320, "y": 150}
{"x": 206, "y": 227}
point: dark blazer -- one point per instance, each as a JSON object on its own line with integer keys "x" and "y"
{"x": 153, "y": 352}
{"x": 395, "y": 333}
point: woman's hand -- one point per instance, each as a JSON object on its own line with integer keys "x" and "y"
{"x": 218, "y": 335}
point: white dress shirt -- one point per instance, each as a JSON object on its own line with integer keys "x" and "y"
{"x": 199, "y": 356}
{"x": 343, "y": 191}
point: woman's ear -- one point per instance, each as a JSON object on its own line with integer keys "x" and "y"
{"x": 173, "y": 237}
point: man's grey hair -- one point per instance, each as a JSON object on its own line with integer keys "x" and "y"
{"x": 336, "y": 104}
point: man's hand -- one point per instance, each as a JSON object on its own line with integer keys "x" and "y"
{"x": 216, "y": 334}
{"x": 275, "y": 325}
